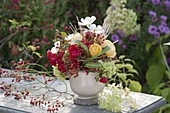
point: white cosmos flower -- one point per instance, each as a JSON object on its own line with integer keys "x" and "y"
{"x": 96, "y": 29}
{"x": 87, "y": 20}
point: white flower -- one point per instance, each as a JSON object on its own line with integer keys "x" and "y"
{"x": 69, "y": 37}
{"x": 56, "y": 47}
{"x": 54, "y": 50}
{"x": 76, "y": 36}
{"x": 96, "y": 29}
{"x": 87, "y": 20}
{"x": 167, "y": 43}
{"x": 57, "y": 44}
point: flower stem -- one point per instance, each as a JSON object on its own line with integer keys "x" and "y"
{"x": 163, "y": 55}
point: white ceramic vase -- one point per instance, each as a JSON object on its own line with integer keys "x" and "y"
{"x": 86, "y": 88}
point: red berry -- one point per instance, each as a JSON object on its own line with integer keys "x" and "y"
{"x": 103, "y": 80}
{"x": 37, "y": 47}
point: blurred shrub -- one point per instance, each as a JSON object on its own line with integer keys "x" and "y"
{"x": 32, "y": 23}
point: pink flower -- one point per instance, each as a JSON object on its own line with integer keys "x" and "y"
{"x": 104, "y": 80}
{"x": 15, "y": 1}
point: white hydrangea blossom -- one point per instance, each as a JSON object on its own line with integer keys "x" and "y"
{"x": 115, "y": 98}
{"x": 119, "y": 17}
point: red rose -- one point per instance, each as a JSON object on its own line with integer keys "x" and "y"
{"x": 104, "y": 80}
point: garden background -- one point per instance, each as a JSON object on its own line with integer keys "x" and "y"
{"x": 28, "y": 27}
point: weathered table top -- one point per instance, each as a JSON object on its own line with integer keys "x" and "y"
{"x": 145, "y": 103}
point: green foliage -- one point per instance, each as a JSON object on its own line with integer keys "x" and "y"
{"x": 126, "y": 73}
{"x": 154, "y": 75}
{"x": 157, "y": 75}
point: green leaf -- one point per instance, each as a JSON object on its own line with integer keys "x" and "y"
{"x": 129, "y": 74}
{"x": 93, "y": 65}
{"x": 165, "y": 92}
{"x": 123, "y": 76}
{"x": 118, "y": 66}
{"x": 135, "y": 86}
{"x": 83, "y": 46}
{"x": 148, "y": 45}
{"x": 165, "y": 108}
{"x": 128, "y": 66}
{"x": 38, "y": 54}
{"x": 129, "y": 60}
{"x": 63, "y": 34}
{"x": 94, "y": 57}
{"x": 133, "y": 71}
{"x": 154, "y": 75}
{"x": 156, "y": 91}
{"x": 14, "y": 22}
{"x": 167, "y": 73}
{"x": 33, "y": 48}
{"x": 122, "y": 57}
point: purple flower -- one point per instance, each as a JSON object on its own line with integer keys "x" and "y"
{"x": 167, "y": 3}
{"x": 133, "y": 37}
{"x": 157, "y": 34}
{"x": 154, "y": 19}
{"x": 120, "y": 42}
{"x": 124, "y": 46}
{"x": 163, "y": 23}
{"x": 120, "y": 32}
{"x": 164, "y": 18}
{"x": 167, "y": 31}
{"x": 162, "y": 28}
{"x": 115, "y": 37}
{"x": 152, "y": 29}
{"x": 152, "y": 13}
{"x": 155, "y": 2}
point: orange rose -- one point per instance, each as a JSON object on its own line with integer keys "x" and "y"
{"x": 95, "y": 49}
{"x": 112, "y": 51}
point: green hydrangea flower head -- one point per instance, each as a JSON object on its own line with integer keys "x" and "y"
{"x": 120, "y": 18}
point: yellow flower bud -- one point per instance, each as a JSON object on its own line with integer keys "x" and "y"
{"x": 95, "y": 49}
{"x": 112, "y": 51}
